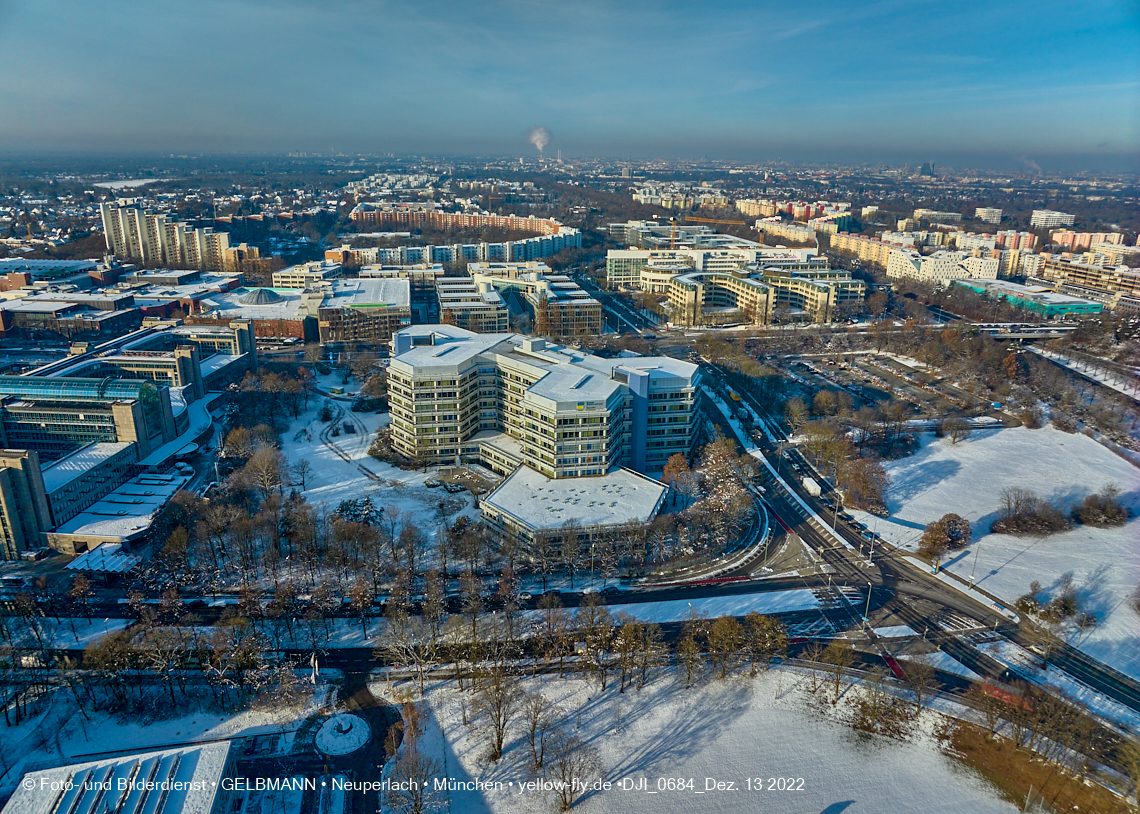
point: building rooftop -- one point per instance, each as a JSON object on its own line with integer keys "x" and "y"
{"x": 539, "y": 502}
{"x": 63, "y": 471}
{"x": 128, "y": 511}
{"x": 370, "y": 292}
{"x": 183, "y": 780}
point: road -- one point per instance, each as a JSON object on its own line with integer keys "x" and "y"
{"x": 918, "y": 598}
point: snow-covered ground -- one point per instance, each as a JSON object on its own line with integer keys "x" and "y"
{"x": 967, "y": 478}
{"x": 678, "y": 610}
{"x": 720, "y": 732}
{"x": 334, "y": 479}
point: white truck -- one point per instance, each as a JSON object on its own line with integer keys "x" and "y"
{"x": 811, "y": 487}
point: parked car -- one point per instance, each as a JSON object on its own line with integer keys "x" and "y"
{"x": 868, "y": 536}
{"x": 858, "y": 526}
{"x": 610, "y": 590}
{"x": 589, "y": 590}
{"x": 525, "y": 595}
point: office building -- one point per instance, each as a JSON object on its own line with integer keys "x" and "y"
{"x": 1048, "y": 219}
{"x": 306, "y": 275}
{"x": 78, "y": 428}
{"x": 559, "y": 411}
{"x": 624, "y": 266}
{"x": 177, "y": 780}
{"x": 988, "y": 214}
{"x": 557, "y": 306}
{"x": 643, "y": 234}
{"x": 478, "y": 308}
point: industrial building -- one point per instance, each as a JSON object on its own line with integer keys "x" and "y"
{"x": 1034, "y": 298}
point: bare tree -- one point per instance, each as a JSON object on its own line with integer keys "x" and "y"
{"x": 572, "y": 764}
{"x": 726, "y": 637}
{"x": 302, "y": 471}
{"x": 539, "y": 718}
{"x": 498, "y": 698}
{"x": 840, "y": 656}
{"x": 920, "y": 675}
{"x": 410, "y": 792}
{"x": 956, "y": 428}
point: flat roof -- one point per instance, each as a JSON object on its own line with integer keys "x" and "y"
{"x": 66, "y": 469}
{"x": 182, "y": 780}
{"x": 128, "y": 511}
{"x": 619, "y": 496}
{"x": 370, "y": 292}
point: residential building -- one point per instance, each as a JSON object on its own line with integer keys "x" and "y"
{"x": 1112, "y": 286}
{"x": 933, "y": 216}
{"x": 775, "y": 231}
{"x": 1111, "y": 254}
{"x": 938, "y": 268}
{"x": 1078, "y": 241}
{"x": 159, "y": 240}
{"x": 988, "y": 214}
{"x": 1015, "y": 240}
{"x": 872, "y": 252}
{"x": 1048, "y": 218}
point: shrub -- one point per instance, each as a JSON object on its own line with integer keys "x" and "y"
{"x": 1022, "y": 512}
{"x": 1062, "y": 421}
{"x": 1102, "y": 509}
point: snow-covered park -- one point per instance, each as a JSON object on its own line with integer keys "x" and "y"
{"x": 342, "y": 469}
{"x": 967, "y": 478}
{"x": 724, "y": 731}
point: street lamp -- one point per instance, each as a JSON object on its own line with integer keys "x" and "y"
{"x": 975, "y": 566}
{"x": 867, "y": 613}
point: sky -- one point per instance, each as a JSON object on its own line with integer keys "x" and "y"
{"x": 1003, "y": 82}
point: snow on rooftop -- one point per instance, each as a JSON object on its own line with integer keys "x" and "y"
{"x": 191, "y": 775}
{"x": 540, "y": 502}
{"x": 128, "y": 511}
{"x": 66, "y": 469}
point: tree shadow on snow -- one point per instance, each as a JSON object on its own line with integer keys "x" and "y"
{"x": 922, "y": 478}
{"x": 686, "y": 733}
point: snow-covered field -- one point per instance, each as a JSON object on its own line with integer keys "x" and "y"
{"x": 967, "y": 478}
{"x": 723, "y": 731}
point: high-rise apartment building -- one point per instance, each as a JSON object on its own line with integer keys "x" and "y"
{"x": 1048, "y": 218}
{"x": 158, "y": 240}
{"x": 988, "y": 214}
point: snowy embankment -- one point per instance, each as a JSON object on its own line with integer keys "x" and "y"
{"x": 967, "y": 478}
{"x": 725, "y": 732}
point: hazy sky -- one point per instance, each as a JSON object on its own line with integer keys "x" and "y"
{"x": 842, "y": 81}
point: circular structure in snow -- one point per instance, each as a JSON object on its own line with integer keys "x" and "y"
{"x": 343, "y": 734}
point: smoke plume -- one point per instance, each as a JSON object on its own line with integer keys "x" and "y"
{"x": 539, "y": 137}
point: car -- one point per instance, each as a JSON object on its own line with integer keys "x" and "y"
{"x": 858, "y": 526}
{"x": 610, "y": 590}
{"x": 590, "y": 590}
{"x": 846, "y": 516}
{"x": 432, "y": 483}
{"x": 525, "y": 595}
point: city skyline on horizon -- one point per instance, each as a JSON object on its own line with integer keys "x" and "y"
{"x": 1020, "y": 86}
